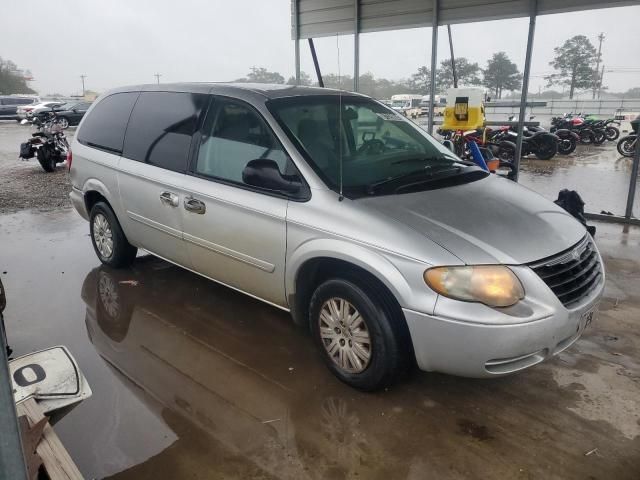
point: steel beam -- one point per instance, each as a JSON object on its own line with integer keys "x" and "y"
{"x": 633, "y": 182}
{"x": 296, "y": 30}
{"x": 533, "y": 9}
{"x": 12, "y": 464}
{"x": 356, "y": 45}
{"x": 434, "y": 62}
{"x": 316, "y": 64}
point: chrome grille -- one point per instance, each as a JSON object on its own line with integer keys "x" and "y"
{"x": 571, "y": 274}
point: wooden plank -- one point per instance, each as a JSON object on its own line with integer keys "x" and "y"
{"x": 55, "y": 457}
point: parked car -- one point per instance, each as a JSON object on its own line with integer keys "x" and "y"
{"x": 381, "y": 241}
{"x": 9, "y": 106}
{"x": 27, "y": 112}
{"x": 71, "y": 113}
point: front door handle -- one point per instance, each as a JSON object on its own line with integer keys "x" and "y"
{"x": 169, "y": 198}
{"x": 194, "y": 205}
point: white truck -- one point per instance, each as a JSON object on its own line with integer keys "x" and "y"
{"x": 407, "y": 104}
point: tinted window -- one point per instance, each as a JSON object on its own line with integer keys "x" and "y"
{"x": 161, "y": 127}
{"x": 233, "y": 136}
{"x": 23, "y": 101}
{"x": 104, "y": 127}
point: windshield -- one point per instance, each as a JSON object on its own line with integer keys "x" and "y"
{"x": 381, "y": 151}
{"x": 399, "y": 103}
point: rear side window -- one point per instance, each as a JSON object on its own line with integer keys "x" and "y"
{"x": 22, "y": 101}
{"x": 104, "y": 127}
{"x": 161, "y": 128}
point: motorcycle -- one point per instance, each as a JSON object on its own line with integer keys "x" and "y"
{"x": 627, "y": 145}
{"x": 48, "y": 143}
{"x": 542, "y": 144}
{"x": 567, "y": 139}
{"x": 577, "y": 125}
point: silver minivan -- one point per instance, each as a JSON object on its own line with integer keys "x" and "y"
{"x": 335, "y": 208}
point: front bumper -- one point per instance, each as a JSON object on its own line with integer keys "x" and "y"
{"x": 449, "y": 341}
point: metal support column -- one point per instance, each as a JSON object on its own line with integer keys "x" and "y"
{"x": 316, "y": 65}
{"x": 434, "y": 62}
{"x": 356, "y": 45}
{"x": 632, "y": 183}
{"x": 296, "y": 31}
{"x": 11, "y": 457}
{"x": 533, "y": 10}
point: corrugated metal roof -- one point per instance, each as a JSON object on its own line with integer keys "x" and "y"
{"x": 320, "y": 18}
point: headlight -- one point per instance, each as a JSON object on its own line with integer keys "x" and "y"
{"x": 493, "y": 285}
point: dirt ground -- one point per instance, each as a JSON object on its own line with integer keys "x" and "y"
{"x": 193, "y": 380}
{"x": 24, "y": 184}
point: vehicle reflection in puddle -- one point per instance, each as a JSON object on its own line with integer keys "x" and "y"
{"x": 224, "y": 363}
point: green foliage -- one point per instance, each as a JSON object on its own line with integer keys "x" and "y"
{"x": 10, "y": 80}
{"x": 501, "y": 74}
{"x": 573, "y": 62}
{"x": 467, "y": 72}
{"x": 305, "y": 79}
{"x": 261, "y": 75}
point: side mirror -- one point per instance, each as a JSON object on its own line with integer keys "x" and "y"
{"x": 448, "y": 144}
{"x": 264, "y": 173}
{"x": 74, "y": 110}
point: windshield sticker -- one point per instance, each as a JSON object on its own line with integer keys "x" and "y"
{"x": 392, "y": 117}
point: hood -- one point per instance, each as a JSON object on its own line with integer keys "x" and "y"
{"x": 493, "y": 220}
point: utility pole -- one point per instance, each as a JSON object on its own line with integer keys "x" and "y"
{"x": 453, "y": 60}
{"x": 157, "y": 75}
{"x": 600, "y": 83}
{"x": 82, "y": 77}
{"x": 597, "y": 70}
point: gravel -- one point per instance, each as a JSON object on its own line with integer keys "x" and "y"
{"x": 24, "y": 185}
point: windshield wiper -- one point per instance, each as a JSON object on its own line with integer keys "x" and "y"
{"x": 432, "y": 159}
{"x": 428, "y": 171}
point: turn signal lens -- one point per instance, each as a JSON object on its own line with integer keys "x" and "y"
{"x": 493, "y": 285}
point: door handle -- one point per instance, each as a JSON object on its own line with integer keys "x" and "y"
{"x": 169, "y": 198}
{"x": 194, "y": 205}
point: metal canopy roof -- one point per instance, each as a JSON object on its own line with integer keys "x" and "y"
{"x": 320, "y": 18}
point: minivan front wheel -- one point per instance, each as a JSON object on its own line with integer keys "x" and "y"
{"x": 108, "y": 239}
{"x": 354, "y": 331}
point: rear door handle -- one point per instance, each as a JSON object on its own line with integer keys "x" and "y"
{"x": 169, "y": 198}
{"x": 194, "y": 205}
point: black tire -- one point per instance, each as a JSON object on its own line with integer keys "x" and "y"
{"x": 626, "y": 146}
{"x": 63, "y": 122}
{"x": 612, "y": 133}
{"x": 113, "y": 308}
{"x": 567, "y": 145}
{"x": 547, "y": 147}
{"x": 122, "y": 253}
{"x": 388, "y": 352}
{"x": 506, "y": 151}
{"x": 46, "y": 159}
{"x": 586, "y": 136}
{"x": 599, "y": 137}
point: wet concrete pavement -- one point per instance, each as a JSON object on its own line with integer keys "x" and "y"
{"x": 193, "y": 380}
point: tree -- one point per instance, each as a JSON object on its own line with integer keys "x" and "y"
{"x": 305, "y": 79}
{"x": 574, "y": 62}
{"x": 344, "y": 82}
{"x": 466, "y": 71}
{"x": 11, "y": 79}
{"x": 632, "y": 93}
{"x": 501, "y": 74}
{"x": 420, "y": 81}
{"x": 261, "y": 75}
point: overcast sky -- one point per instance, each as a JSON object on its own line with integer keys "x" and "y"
{"x": 119, "y": 42}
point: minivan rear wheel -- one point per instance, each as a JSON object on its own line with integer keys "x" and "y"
{"x": 109, "y": 241}
{"x": 355, "y": 334}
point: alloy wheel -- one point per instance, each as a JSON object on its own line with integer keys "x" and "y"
{"x": 345, "y": 335}
{"x": 103, "y": 235}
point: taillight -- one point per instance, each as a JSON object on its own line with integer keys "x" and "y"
{"x": 69, "y": 159}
